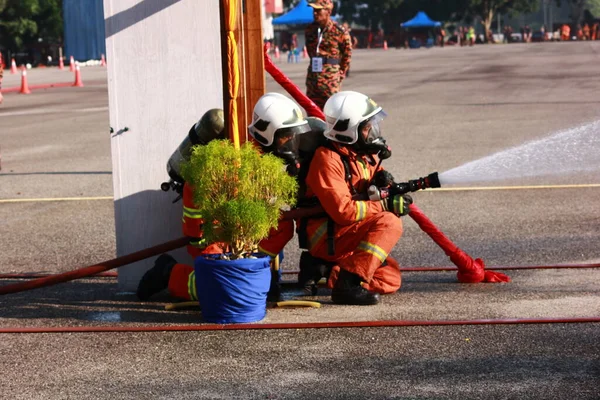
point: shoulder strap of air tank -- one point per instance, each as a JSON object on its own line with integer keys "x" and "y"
{"x": 346, "y": 163}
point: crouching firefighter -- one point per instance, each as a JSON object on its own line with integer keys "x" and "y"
{"x": 357, "y": 233}
{"x": 167, "y": 273}
{"x": 277, "y": 126}
{"x": 276, "y": 122}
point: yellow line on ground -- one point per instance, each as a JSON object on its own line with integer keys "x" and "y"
{"x": 450, "y": 189}
{"x": 55, "y": 199}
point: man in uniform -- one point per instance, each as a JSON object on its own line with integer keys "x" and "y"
{"x": 329, "y": 48}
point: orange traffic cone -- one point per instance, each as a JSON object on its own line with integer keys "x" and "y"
{"x": 24, "y": 85}
{"x": 385, "y": 45}
{"x": 304, "y": 52}
{"x": 61, "y": 63}
{"x": 72, "y": 64}
{"x": 78, "y": 81}
{"x": 102, "y": 61}
{"x": 13, "y": 66}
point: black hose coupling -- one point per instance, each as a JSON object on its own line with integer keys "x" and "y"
{"x": 428, "y": 182}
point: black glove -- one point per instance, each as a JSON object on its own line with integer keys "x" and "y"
{"x": 398, "y": 204}
{"x": 383, "y": 179}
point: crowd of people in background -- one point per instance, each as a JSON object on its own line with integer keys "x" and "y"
{"x": 450, "y": 35}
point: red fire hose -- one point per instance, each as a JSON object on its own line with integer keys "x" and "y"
{"x": 311, "y": 108}
{"x": 94, "y": 269}
{"x": 295, "y": 325}
{"x": 469, "y": 270}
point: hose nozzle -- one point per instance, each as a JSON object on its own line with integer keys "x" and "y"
{"x": 428, "y": 182}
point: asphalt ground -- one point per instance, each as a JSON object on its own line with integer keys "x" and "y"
{"x": 446, "y": 107}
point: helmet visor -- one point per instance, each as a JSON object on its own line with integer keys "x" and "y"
{"x": 287, "y": 140}
{"x": 371, "y": 130}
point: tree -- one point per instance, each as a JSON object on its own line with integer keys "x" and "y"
{"x": 50, "y": 21}
{"x": 17, "y": 24}
{"x": 487, "y": 9}
{"x": 370, "y": 13}
{"x": 22, "y": 22}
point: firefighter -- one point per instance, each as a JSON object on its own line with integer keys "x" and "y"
{"x": 276, "y": 125}
{"x": 356, "y": 235}
{"x": 276, "y": 122}
{"x": 167, "y": 272}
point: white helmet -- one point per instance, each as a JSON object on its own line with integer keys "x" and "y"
{"x": 345, "y": 111}
{"x": 276, "y": 115}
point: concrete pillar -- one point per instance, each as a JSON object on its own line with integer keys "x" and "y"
{"x": 164, "y": 72}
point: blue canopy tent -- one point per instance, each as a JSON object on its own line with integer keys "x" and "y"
{"x": 421, "y": 20}
{"x": 420, "y": 29}
{"x": 302, "y": 14}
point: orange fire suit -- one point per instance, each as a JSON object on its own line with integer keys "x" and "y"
{"x": 182, "y": 281}
{"x": 363, "y": 233}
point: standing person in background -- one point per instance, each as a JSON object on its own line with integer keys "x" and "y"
{"x": 330, "y": 49}
{"x": 565, "y": 34}
{"x": 586, "y": 32}
{"x": 1, "y": 75}
{"x": 442, "y": 35}
{"x": 353, "y": 40}
{"x": 471, "y": 36}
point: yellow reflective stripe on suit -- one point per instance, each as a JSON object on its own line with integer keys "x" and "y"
{"x": 373, "y": 249}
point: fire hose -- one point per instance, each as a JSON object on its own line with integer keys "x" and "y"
{"x": 96, "y": 268}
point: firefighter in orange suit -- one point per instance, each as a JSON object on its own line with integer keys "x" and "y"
{"x": 357, "y": 235}
{"x": 167, "y": 273}
{"x": 276, "y": 125}
{"x": 276, "y": 122}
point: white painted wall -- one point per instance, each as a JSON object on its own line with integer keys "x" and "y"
{"x": 164, "y": 72}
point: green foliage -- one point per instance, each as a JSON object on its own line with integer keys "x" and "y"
{"x": 594, "y": 7}
{"x": 239, "y": 193}
{"x": 22, "y": 22}
{"x": 369, "y": 13}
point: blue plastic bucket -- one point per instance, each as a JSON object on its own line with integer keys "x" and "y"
{"x": 232, "y": 291}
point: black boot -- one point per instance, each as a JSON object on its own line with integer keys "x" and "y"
{"x": 312, "y": 269}
{"x": 274, "y": 294}
{"x": 156, "y": 279}
{"x": 347, "y": 290}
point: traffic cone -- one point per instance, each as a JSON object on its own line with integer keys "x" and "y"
{"x": 102, "y": 61}
{"x": 277, "y": 55}
{"x": 24, "y": 85}
{"x": 72, "y": 64}
{"x": 78, "y": 81}
{"x": 304, "y": 52}
{"x": 385, "y": 45}
{"x": 13, "y": 66}
{"x": 61, "y": 63}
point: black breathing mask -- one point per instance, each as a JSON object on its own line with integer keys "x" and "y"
{"x": 370, "y": 140}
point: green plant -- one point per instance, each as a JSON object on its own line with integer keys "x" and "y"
{"x": 239, "y": 193}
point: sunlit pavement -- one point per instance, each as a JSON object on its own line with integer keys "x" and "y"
{"x": 446, "y": 107}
